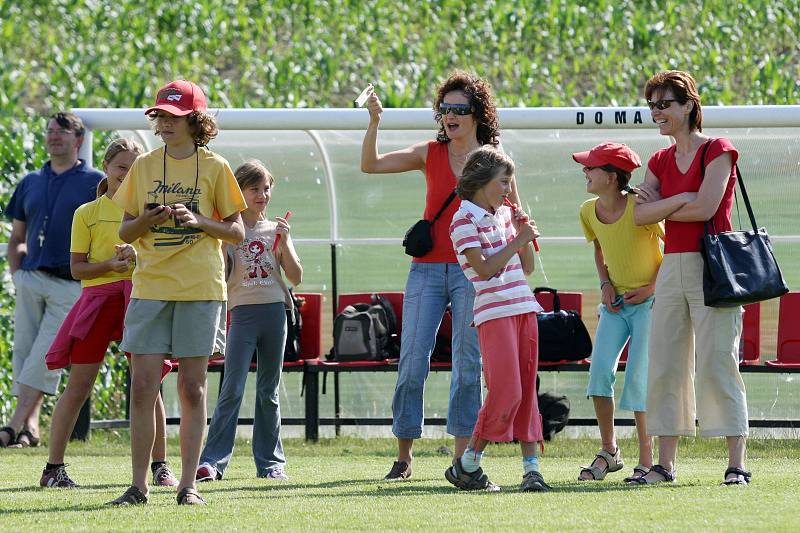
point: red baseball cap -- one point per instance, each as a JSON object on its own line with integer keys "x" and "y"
{"x": 616, "y": 154}
{"x": 179, "y": 98}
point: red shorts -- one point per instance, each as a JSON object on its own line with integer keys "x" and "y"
{"x": 92, "y": 349}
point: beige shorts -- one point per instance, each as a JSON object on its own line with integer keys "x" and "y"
{"x": 178, "y": 329}
{"x": 42, "y": 303}
{"x": 693, "y": 370}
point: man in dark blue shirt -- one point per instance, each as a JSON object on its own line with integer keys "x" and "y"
{"x": 41, "y": 210}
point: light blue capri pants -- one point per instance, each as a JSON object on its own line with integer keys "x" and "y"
{"x": 613, "y": 330}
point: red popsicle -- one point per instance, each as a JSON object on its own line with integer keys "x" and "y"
{"x": 514, "y": 209}
{"x": 278, "y": 236}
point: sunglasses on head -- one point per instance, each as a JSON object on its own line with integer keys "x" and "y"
{"x": 660, "y": 104}
{"x": 456, "y": 109}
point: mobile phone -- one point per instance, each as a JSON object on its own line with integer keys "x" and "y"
{"x": 152, "y": 205}
{"x": 618, "y": 301}
{"x": 362, "y": 98}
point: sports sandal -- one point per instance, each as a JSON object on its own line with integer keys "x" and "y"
{"x": 132, "y": 496}
{"x": 400, "y": 470}
{"x": 464, "y": 480}
{"x": 12, "y": 436}
{"x": 742, "y": 476}
{"x": 190, "y": 496}
{"x": 658, "y": 469}
{"x": 638, "y": 469}
{"x": 29, "y": 440}
{"x": 533, "y": 482}
{"x": 613, "y": 464}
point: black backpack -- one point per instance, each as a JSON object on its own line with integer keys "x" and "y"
{"x": 294, "y": 326}
{"x": 365, "y": 332}
{"x": 554, "y": 409}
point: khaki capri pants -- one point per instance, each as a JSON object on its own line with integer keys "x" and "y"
{"x": 694, "y": 357}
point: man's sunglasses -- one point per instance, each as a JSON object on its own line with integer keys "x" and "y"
{"x": 660, "y": 104}
{"x": 456, "y": 109}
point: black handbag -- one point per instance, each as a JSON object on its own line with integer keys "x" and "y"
{"x": 418, "y": 240}
{"x": 739, "y": 266}
{"x": 562, "y": 334}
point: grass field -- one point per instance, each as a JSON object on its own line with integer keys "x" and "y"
{"x": 336, "y": 485}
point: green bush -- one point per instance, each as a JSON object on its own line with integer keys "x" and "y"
{"x": 59, "y": 54}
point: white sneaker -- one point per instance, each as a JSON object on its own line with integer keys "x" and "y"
{"x": 206, "y": 472}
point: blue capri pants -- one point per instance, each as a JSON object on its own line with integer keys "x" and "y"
{"x": 613, "y": 331}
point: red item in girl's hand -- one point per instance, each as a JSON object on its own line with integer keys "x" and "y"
{"x": 278, "y": 236}
{"x": 507, "y": 202}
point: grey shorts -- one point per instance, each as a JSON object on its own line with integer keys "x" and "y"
{"x": 179, "y": 329}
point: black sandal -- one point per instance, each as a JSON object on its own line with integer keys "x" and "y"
{"x": 190, "y": 496}
{"x": 742, "y": 476}
{"x": 464, "y": 480}
{"x": 30, "y": 441}
{"x": 12, "y": 440}
{"x": 132, "y": 496}
{"x": 658, "y": 469}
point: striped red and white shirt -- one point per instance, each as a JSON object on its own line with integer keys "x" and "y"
{"x": 506, "y": 293}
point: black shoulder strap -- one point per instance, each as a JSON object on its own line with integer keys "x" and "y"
{"x": 738, "y": 177}
{"x": 444, "y": 206}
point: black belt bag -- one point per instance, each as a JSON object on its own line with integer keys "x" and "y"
{"x": 419, "y": 240}
{"x": 739, "y": 266}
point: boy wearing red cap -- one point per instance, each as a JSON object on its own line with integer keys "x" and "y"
{"x": 180, "y": 201}
{"x": 627, "y": 257}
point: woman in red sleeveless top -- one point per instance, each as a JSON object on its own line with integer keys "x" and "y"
{"x": 694, "y": 350}
{"x": 465, "y": 112}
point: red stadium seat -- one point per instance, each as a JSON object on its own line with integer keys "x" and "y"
{"x": 788, "y": 348}
{"x": 750, "y": 342}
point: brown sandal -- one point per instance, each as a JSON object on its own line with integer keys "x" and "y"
{"x": 12, "y": 437}
{"x": 29, "y": 442}
{"x": 132, "y": 496}
{"x": 190, "y": 496}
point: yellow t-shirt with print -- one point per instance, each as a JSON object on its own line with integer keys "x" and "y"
{"x": 176, "y": 262}
{"x": 95, "y": 232}
{"x": 632, "y": 253}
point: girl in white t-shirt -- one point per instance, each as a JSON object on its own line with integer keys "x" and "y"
{"x": 257, "y": 301}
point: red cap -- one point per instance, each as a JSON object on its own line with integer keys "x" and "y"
{"x": 615, "y": 154}
{"x": 179, "y": 98}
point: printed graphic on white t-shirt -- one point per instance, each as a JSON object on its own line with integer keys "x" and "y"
{"x": 258, "y": 262}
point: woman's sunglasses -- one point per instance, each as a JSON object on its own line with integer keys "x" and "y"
{"x": 456, "y": 109}
{"x": 660, "y": 104}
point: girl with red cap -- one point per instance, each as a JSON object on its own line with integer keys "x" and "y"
{"x": 627, "y": 258}
{"x": 180, "y": 202}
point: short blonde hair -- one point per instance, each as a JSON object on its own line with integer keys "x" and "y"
{"x": 252, "y": 172}
{"x": 117, "y": 146}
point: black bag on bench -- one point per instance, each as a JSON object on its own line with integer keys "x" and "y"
{"x": 562, "y": 334}
{"x": 365, "y": 332}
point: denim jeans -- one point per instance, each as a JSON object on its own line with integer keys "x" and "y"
{"x": 613, "y": 331}
{"x": 429, "y": 288}
{"x": 260, "y": 328}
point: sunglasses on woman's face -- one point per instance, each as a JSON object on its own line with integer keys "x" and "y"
{"x": 660, "y": 104}
{"x": 456, "y": 109}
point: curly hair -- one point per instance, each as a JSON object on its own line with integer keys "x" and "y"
{"x": 202, "y": 125}
{"x": 482, "y": 166}
{"x": 479, "y": 93}
{"x": 684, "y": 89}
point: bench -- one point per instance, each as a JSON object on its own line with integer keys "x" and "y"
{"x": 569, "y": 301}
